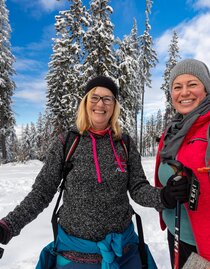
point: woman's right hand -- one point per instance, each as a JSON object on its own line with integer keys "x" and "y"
{"x": 177, "y": 189}
{"x": 5, "y": 234}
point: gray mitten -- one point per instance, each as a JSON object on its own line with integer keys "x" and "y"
{"x": 195, "y": 261}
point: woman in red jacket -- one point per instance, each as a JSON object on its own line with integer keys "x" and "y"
{"x": 185, "y": 141}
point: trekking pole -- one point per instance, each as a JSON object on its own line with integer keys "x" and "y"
{"x": 177, "y": 235}
{"x": 180, "y": 171}
{"x": 177, "y": 231}
{"x": 1, "y": 252}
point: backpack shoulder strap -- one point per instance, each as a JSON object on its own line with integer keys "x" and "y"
{"x": 71, "y": 142}
{"x": 125, "y": 141}
{"x": 142, "y": 249}
{"x": 69, "y": 145}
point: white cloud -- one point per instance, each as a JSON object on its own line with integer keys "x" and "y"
{"x": 195, "y": 38}
{"x": 154, "y": 96}
{"x": 162, "y": 44}
{"x": 202, "y": 4}
{"x": 36, "y": 7}
{"x": 51, "y": 5}
{"x": 33, "y": 90}
{"x": 193, "y": 41}
{"x": 27, "y": 64}
{"x": 41, "y": 46}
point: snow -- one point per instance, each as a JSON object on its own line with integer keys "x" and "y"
{"x": 23, "y": 250}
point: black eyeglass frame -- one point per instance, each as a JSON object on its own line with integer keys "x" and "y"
{"x": 110, "y": 98}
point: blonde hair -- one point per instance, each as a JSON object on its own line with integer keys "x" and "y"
{"x": 83, "y": 122}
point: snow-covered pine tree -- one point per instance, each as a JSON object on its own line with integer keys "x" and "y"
{"x": 159, "y": 125}
{"x": 127, "y": 55}
{"x": 147, "y": 60}
{"x": 39, "y": 138}
{"x": 126, "y": 67}
{"x": 151, "y": 134}
{"x": 44, "y": 130}
{"x": 63, "y": 78}
{"x": 33, "y": 145}
{"x": 153, "y": 124}
{"x": 7, "y": 85}
{"x": 25, "y": 144}
{"x": 172, "y": 60}
{"x": 136, "y": 82}
{"x": 149, "y": 148}
{"x": 19, "y": 149}
{"x": 146, "y": 139}
{"x": 11, "y": 146}
{"x": 78, "y": 20}
{"x": 47, "y": 132}
{"x": 98, "y": 42}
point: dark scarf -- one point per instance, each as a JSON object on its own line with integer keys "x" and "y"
{"x": 178, "y": 128}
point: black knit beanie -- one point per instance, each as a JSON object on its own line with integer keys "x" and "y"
{"x": 102, "y": 81}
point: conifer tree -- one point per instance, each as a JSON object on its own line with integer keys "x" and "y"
{"x": 125, "y": 71}
{"x": 146, "y": 139}
{"x": 136, "y": 82}
{"x": 153, "y": 124}
{"x": 98, "y": 42}
{"x": 127, "y": 55}
{"x": 11, "y": 146}
{"x": 172, "y": 60}
{"x": 33, "y": 144}
{"x": 64, "y": 68}
{"x": 78, "y": 20}
{"x": 147, "y": 60}
{"x": 159, "y": 125}
{"x": 7, "y": 85}
{"x": 39, "y": 138}
{"x": 47, "y": 131}
{"x": 25, "y": 143}
{"x": 152, "y": 133}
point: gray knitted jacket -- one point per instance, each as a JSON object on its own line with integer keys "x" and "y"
{"x": 90, "y": 210}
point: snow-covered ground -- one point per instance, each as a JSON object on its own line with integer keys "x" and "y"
{"x": 22, "y": 251}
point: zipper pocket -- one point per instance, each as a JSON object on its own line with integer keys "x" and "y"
{"x": 197, "y": 139}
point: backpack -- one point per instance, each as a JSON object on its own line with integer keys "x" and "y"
{"x": 69, "y": 146}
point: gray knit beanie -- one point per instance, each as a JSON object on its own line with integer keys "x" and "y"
{"x": 192, "y": 67}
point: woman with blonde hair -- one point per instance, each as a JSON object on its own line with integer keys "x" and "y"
{"x": 95, "y": 220}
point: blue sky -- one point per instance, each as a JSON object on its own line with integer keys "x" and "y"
{"x": 32, "y": 24}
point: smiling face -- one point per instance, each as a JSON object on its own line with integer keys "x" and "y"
{"x": 99, "y": 113}
{"x": 187, "y": 93}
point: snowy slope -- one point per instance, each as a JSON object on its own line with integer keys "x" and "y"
{"x": 22, "y": 251}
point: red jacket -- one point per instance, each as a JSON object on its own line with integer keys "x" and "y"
{"x": 192, "y": 154}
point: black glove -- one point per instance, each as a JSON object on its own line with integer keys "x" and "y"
{"x": 177, "y": 188}
{"x": 5, "y": 234}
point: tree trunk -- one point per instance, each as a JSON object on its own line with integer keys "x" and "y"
{"x": 142, "y": 116}
{"x": 136, "y": 129}
{"x": 3, "y": 147}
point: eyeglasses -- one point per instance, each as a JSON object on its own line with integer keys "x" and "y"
{"x": 107, "y": 100}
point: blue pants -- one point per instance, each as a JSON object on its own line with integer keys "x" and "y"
{"x": 131, "y": 260}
